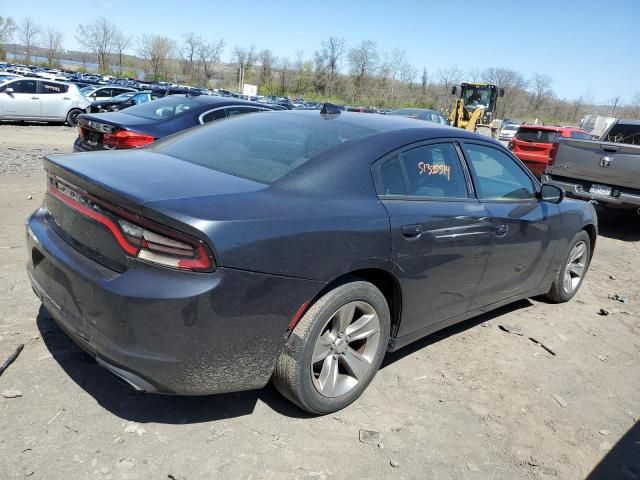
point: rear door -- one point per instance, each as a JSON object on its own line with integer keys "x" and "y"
{"x": 440, "y": 233}
{"x": 23, "y": 102}
{"x": 55, "y": 98}
{"x": 524, "y": 227}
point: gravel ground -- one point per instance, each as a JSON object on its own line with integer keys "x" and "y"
{"x": 470, "y": 402}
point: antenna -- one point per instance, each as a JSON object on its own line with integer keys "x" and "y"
{"x": 330, "y": 109}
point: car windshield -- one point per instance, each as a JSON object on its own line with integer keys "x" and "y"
{"x": 164, "y": 108}
{"x": 537, "y": 135}
{"x": 264, "y": 147}
{"x": 510, "y": 127}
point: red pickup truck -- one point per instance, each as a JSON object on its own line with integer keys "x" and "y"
{"x": 532, "y": 144}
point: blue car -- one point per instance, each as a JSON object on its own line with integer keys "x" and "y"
{"x": 293, "y": 246}
{"x": 150, "y": 120}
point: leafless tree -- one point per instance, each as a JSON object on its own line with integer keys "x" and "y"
{"x": 120, "y": 43}
{"x": 513, "y": 83}
{"x": 7, "y": 29}
{"x": 53, "y": 44}
{"x": 330, "y": 54}
{"x": 424, "y": 83}
{"x": 474, "y": 75}
{"x": 189, "y": 49}
{"x": 266, "y": 59}
{"x": 244, "y": 58}
{"x": 634, "y": 105}
{"x": 99, "y": 38}
{"x": 283, "y": 67}
{"x": 209, "y": 54}
{"x": 156, "y": 50}
{"x": 541, "y": 90}
{"x": 363, "y": 60}
{"x": 29, "y": 36}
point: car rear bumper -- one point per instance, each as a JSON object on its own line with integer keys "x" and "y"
{"x": 576, "y": 189}
{"x": 163, "y": 330}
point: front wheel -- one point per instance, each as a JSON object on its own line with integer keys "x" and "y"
{"x": 336, "y": 349}
{"x": 572, "y": 270}
{"x": 72, "y": 117}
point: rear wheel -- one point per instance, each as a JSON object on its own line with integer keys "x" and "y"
{"x": 572, "y": 270}
{"x": 72, "y": 117}
{"x": 336, "y": 349}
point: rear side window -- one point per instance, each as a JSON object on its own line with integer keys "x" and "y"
{"x": 262, "y": 147}
{"x": 430, "y": 171}
{"x": 164, "y": 108}
{"x": 239, "y": 110}
{"x": 50, "y": 87}
{"x": 624, "y": 133}
{"x": 214, "y": 115}
{"x": 536, "y": 135}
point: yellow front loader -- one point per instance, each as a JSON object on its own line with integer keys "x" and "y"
{"x": 475, "y": 109}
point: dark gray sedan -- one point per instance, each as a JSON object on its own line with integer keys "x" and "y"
{"x": 295, "y": 246}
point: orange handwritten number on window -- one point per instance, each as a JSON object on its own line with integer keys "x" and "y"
{"x": 430, "y": 169}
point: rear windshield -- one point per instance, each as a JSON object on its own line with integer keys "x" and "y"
{"x": 164, "y": 108}
{"x": 536, "y": 135}
{"x": 264, "y": 147}
{"x": 510, "y": 127}
{"x": 624, "y": 133}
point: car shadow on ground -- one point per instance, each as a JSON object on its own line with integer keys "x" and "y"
{"x": 619, "y": 224}
{"x": 623, "y": 460}
{"x": 445, "y": 333}
{"x": 122, "y": 401}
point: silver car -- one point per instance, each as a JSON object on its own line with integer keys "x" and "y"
{"x": 41, "y": 100}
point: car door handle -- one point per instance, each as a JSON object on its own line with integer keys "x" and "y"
{"x": 502, "y": 230}
{"x": 66, "y": 98}
{"x": 412, "y": 232}
{"x": 35, "y": 98}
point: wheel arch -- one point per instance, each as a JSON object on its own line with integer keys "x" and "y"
{"x": 383, "y": 280}
{"x": 591, "y": 231}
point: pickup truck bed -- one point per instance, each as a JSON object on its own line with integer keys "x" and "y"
{"x": 608, "y": 172}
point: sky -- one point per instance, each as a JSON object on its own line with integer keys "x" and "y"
{"x": 588, "y": 47}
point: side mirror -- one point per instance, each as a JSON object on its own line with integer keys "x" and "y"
{"x": 501, "y": 92}
{"x": 454, "y": 90}
{"x": 8, "y": 90}
{"x": 551, "y": 193}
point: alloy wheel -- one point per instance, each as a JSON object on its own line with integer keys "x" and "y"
{"x": 344, "y": 351}
{"x": 576, "y": 265}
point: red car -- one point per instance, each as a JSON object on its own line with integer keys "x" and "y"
{"x": 533, "y": 144}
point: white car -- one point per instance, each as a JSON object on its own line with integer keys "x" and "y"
{"x": 97, "y": 92}
{"x": 41, "y": 100}
{"x": 508, "y": 131}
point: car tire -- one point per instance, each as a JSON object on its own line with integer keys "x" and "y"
{"x": 571, "y": 272}
{"x": 72, "y": 117}
{"x": 339, "y": 378}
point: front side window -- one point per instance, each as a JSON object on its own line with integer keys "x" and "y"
{"x": 580, "y": 135}
{"x": 24, "y": 86}
{"x": 498, "y": 176}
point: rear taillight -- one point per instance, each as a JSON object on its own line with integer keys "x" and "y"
{"x": 126, "y": 139}
{"x": 81, "y": 132}
{"x": 552, "y": 153}
{"x": 137, "y": 236}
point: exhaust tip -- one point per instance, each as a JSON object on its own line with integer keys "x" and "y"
{"x": 132, "y": 380}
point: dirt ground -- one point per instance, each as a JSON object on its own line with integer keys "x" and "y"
{"x": 471, "y": 402}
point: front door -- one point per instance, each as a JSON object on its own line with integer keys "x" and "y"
{"x": 440, "y": 233}
{"x": 524, "y": 227}
{"x": 23, "y": 102}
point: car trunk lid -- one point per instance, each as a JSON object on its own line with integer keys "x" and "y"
{"x": 80, "y": 185}
{"x": 92, "y": 128}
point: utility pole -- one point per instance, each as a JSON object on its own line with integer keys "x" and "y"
{"x": 615, "y": 104}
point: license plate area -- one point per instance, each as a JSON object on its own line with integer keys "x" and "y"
{"x": 600, "y": 190}
{"x": 93, "y": 138}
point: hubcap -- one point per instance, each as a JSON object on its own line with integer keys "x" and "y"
{"x": 345, "y": 349}
{"x": 576, "y": 265}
